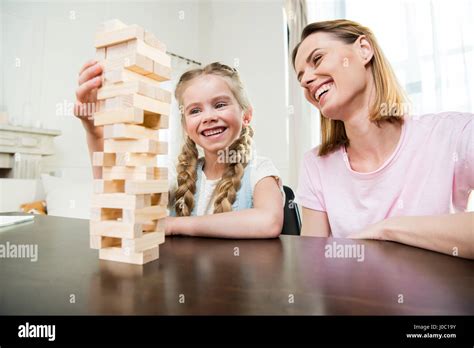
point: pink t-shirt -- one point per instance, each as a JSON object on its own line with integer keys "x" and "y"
{"x": 431, "y": 172}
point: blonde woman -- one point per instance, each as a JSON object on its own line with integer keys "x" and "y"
{"x": 379, "y": 173}
{"x": 228, "y": 193}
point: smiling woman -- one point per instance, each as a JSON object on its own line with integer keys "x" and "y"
{"x": 379, "y": 172}
{"x": 336, "y": 58}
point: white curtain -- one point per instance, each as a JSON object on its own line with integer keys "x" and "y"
{"x": 299, "y": 115}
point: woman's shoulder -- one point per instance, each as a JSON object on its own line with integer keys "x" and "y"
{"x": 312, "y": 157}
{"x": 443, "y": 125}
{"x": 456, "y": 118}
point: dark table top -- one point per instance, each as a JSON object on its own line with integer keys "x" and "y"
{"x": 288, "y": 275}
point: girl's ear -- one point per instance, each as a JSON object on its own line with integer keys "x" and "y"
{"x": 247, "y": 117}
{"x": 364, "y": 48}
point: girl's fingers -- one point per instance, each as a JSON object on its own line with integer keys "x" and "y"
{"x": 84, "y": 90}
{"x": 86, "y": 65}
{"x": 90, "y": 73}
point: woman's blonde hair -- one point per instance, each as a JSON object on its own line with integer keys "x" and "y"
{"x": 389, "y": 96}
{"x": 229, "y": 185}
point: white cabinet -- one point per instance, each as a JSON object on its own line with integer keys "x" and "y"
{"x": 21, "y": 150}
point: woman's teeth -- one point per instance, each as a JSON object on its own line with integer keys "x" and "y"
{"x": 324, "y": 88}
{"x": 214, "y": 131}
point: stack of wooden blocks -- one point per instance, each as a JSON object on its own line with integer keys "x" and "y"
{"x": 129, "y": 202}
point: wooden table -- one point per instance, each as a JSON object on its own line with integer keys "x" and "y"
{"x": 288, "y": 275}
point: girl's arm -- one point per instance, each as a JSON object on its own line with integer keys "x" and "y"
{"x": 95, "y": 143}
{"x": 315, "y": 223}
{"x": 264, "y": 220}
{"x": 86, "y": 96}
{"x": 451, "y": 234}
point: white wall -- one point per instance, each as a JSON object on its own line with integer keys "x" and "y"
{"x": 250, "y": 33}
{"x": 52, "y": 47}
{"x": 53, "y": 39}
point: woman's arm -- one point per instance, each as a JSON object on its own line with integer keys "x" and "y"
{"x": 315, "y": 223}
{"x": 265, "y": 220}
{"x": 451, "y": 234}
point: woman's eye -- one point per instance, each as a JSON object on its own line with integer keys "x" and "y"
{"x": 316, "y": 60}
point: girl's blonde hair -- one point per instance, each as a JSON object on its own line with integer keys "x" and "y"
{"x": 389, "y": 96}
{"x": 229, "y": 185}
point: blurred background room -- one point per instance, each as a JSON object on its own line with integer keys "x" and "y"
{"x": 43, "y": 150}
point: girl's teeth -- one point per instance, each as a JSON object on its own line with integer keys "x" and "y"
{"x": 212, "y": 132}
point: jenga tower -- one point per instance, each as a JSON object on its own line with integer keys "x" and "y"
{"x": 129, "y": 202}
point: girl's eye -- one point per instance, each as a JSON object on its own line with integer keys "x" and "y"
{"x": 220, "y": 105}
{"x": 194, "y": 111}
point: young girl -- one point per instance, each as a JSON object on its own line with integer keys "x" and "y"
{"x": 379, "y": 174}
{"x": 226, "y": 193}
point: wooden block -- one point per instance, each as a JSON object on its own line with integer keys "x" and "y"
{"x": 119, "y": 200}
{"x": 109, "y": 186}
{"x": 140, "y": 47}
{"x": 120, "y": 255}
{"x": 111, "y": 25}
{"x": 152, "y": 40}
{"x": 117, "y": 51}
{"x": 145, "y": 187}
{"x": 134, "y": 87}
{"x": 131, "y": 115}
{"x": 163, "y": 199}
{"x": 133, "y": 187}
{"x": 135, "y": 159}
{"x": 131, "y": 61}
{"x": 162, "y": 121}
{"x": 119, "y": 270}
{"x": 158, "y": 56}
{"x": 128, "y": 173}
{"x": 100, "y": 54}
{"x": 137, "y": 101}
{"x": 144, "y": 215}
{"x": 159, "y": 199}
{"x": 146, "y": 241}
{"x": 140, "y": 64}
{"x": 149, "y": 227}
{"x": 116, "y": 229}
{"x": 113, "y": 37}
{"x": 137, "y": 145}
{"x": 134, "y": 173}
{"x": 103, "y": 214}
{"x": 99, "y": 242}
{"x": 103, "y": 159}
{"x": 128, "y": 115}
{"x": 160, "y": 72}
{"x": 121, "y": 74}
{"x": 128, "y": 131}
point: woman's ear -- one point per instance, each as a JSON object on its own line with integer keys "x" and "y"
{"x": 247, "y": 117}
{"x": 364, "y": 49}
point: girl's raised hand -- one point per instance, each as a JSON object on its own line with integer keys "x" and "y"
{"x": 90, "y": 78}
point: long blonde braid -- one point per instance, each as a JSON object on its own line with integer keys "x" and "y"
{"x": 229, "y": 185}
{"x": 186, "y": 170}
